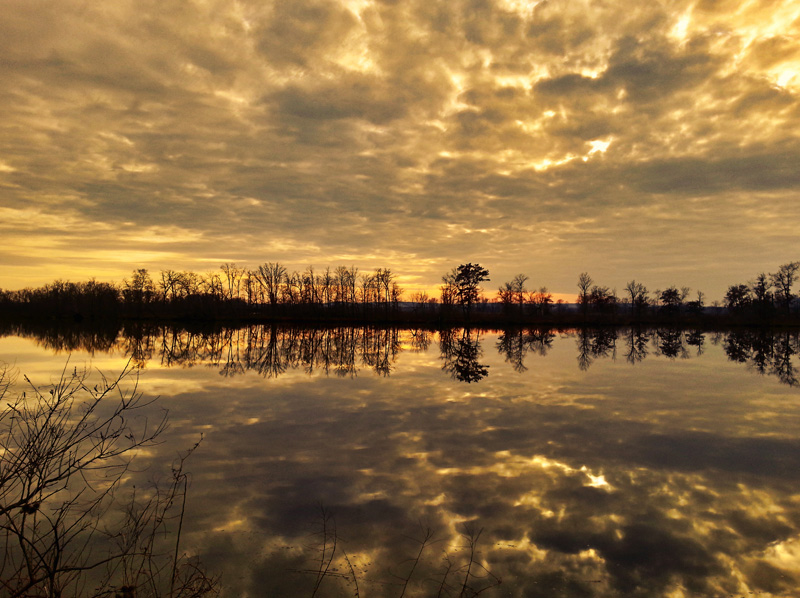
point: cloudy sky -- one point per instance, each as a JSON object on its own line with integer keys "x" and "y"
{"x": 648, "y": 140}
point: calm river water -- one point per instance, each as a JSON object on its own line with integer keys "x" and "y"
{"x": 526, "y": 463}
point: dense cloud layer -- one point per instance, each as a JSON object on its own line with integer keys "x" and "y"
{"x": 626, "y": 139}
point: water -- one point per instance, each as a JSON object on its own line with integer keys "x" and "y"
{"x": 528, "y": 463}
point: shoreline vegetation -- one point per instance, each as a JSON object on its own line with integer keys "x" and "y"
{"x": 72, "y": 520}
{"x": 345, "y": 296}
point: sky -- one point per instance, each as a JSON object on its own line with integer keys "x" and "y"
{"x": 656, "y": 141}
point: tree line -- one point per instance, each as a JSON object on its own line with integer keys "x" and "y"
{"x": 272, "y": 291}
{"x": 766, "y": 298}
{"x": 231, "y": 291}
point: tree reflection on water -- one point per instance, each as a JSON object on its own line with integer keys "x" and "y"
{"x": 766, "y": 352}
{"x": 343, "y": 351}
{"x": 460, "y": 353}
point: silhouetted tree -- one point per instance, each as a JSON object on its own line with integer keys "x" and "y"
{"x": 140, "y": 288}
{"x": 367, "y": 288}
{"x": 762, "y": 297}
{"x": 638, "y": 296}
{"x": 326, "y": 286}
{"x": 468, "y": 278}
{"x": 343, "y": 282}
{"x": 602, "y": 299}
{"x": 672, "y": 299}
{"x": 233, "y": 280}
{"x": 139, "y": 291}
{"x": 167, "y": 285}
{"x": 419, "y": 301}
{"x": 213, "y": 287}
{"x": 518, "y": 286}
{"x": 350, "y": 284}
{"x": 310, "y": 289}
{"x": 541, "y": 300}
{"x": 783, "y": 280}
{"x": 292, "y": 288}
{"x": 738, "y": 298}
{"x": 448, "y": 289}
{"x": 251, "y": 287}
{"x": 696, "y": 306}
{"x": 383, "y": 278}
{"x": 270, "y": 276}
{"x": 513, "y": 292}
{"x": 505, "y": 294}
{"x": 584, "y": 285}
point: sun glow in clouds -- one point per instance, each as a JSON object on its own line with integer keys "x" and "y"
{"x": 598, "y": 146}
{"x": 787, "y": 78}
{"x": 680, "y": 30}
{"x": 524, "y": 8}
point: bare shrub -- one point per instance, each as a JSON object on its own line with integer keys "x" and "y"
{"x": 69, "y": 523}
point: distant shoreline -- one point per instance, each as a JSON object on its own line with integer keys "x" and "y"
{"x": 272, "y": 294}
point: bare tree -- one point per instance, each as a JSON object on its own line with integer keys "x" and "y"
{"x": 518, "y": 285}
{"x": 584, "y": 285}
{"x": 187, "y": 283}
{"x": 64, "y": 456}
{"x": 603, "y": 299}
{"x": 326, "y": 286}
{"x": 505, "y": 294}
{"x": 351, "y": 284}
{"x": 420, "y": 300}
{"x": 251, "y": 287}
{"x": 762, "y": 296}
{"x": 385, "y": 280}
{"x": 233, "y": 280}
{"x": 542, "y": 300}
{"x": 174, "y": 285}
{"x": 395, "y": 293}
{"x": 167, "y": 285}
{"x": 638, "y": 295}
{"x": 697, "y": 305}
{"x": 367, "y": 286}
{"x": 140, "y": 288}
{"x": 310, "y": 278}
{"x": 449, "y": 287}
{"x": 292, "y": 288}
{"x": 783, "y": 280}
{"x": 271, "y": 276}
{"x": 212, "y": 285}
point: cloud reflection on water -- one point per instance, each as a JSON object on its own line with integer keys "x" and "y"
{"x": 674, "y": 476}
